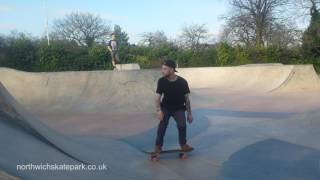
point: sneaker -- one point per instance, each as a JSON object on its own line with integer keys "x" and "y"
{"x": 186, "y": 148}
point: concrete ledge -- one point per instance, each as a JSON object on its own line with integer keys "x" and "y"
{"x": 128, "y": 66}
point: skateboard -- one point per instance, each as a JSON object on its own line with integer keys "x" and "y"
{"x": 155, "y": 156}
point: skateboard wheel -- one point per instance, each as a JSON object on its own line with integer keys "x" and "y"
{"x": 154, "y": 158}
{"x": 182, "y": 156}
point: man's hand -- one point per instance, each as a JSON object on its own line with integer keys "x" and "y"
{"x": 189, "y": 118}
{"x": 160, "y": 115}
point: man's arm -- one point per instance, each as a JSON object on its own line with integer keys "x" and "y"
{"x": 159, "y": 111}
{"x": 109, "y": 48}
{"x": 188, "y": 107}
{"x": 188, "y": 103}
{"x": 158, "y": 98}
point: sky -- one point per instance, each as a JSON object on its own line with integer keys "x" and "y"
{"x": 134, "y": 16}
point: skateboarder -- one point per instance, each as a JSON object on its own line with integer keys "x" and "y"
{"x": 113, "y": 48}
{"x": 175, "y": 102}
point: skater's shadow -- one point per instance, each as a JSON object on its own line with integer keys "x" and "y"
{"x": 145, "y": 141}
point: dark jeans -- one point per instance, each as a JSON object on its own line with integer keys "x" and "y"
{"x": 180, "y": 118}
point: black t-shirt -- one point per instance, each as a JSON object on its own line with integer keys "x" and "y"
{"x": 173, "y": 93}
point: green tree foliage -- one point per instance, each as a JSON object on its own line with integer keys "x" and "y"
{"x": 30, "y": 54}
{"x": 311, "y": 39}
{"x": 24, "y": 53}
{"x": 225, "y": 54}
{"x": 50, "y": 57}
{"x": 66, "y": 56}
{"x": 21, "y": 53}
{"x": 241, "y": 55}
{"x": 206, "y": 56}
{"x": 3, "y": 50}
{"x": 99, "y": 57}
{"x": 123, "y": 44}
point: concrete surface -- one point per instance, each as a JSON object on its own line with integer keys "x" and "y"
{"x": 251, "y": 122}
{"x": 6, "y": 176}
{"x": 128, "y": 66}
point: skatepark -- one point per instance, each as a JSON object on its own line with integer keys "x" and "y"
{"x": 250, "y": 122}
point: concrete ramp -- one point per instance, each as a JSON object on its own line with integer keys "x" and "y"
{"x": 123, "y": 67}
{"x": 128, "y": 91}
{"x": 255, "y": 78}
{"x": 82, "y": 91}
{"x": 239, "y": 78}
{"x": 26, "y": 140}
{"x": 107, "y": 117}
{"x": 301, "y": 78}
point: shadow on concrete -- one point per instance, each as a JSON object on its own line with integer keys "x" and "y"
{"x": 145, "y": 141}
{"x": 272, "y": 159}
{"x": 245, "y": 114}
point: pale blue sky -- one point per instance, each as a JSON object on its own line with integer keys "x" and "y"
{"x": 135, "y": 16}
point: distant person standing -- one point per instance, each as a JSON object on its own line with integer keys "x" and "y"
{"x": 113, "y": 48}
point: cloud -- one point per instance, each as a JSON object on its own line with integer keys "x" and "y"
{"x": 7, "y": 26}
{"x": 6, "y": 8}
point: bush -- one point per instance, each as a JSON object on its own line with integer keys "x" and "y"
{"x": 241, "y": 56}
{"x": 316, "y": 64}
{"x": 99, "y": 56}
{"x": 143, "y": 61}
{"x": 21, "y": 53}
{"x": 225, "y": 54}
{"x": 50, "y": 57}
{"x": 24, "y": 53}
{"x": 184, "y": 57}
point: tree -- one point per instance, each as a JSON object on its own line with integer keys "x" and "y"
{"x": 123, "y": 43}
{"x": 50, "y": 57}
{"x": 98, "y": 57}
{"x": 225, "y": 54}
{"x": 311, "y": 37}
{"x": 122, "y": 37}
{"x": 154, "y": 39}
{"x": 83, "y": 28}
{"x": 241, "y": 55}
{"x": 281, "y": 35}
{"x": 250, "y": 19}
{"x": 305, "y": 6}
{"x": 239, "y": 30}
{"x": 21, "y": 52}
{"x": 3, "y": 49}
{"x": 193, "y": 35}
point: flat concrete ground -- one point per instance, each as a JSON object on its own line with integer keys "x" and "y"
{"x": 235, "y": 135}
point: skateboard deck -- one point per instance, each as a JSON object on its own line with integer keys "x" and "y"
{"x": 155, "y": 156}
{"x": 168, "y": 151}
